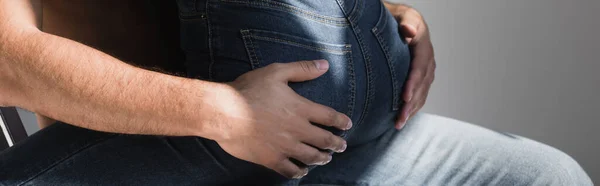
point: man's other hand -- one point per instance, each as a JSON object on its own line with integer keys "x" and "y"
{"x": 422, "y": 72}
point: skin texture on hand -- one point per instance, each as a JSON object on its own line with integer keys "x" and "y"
{"x": 422, "y": 72}
{"x": 264, "y": 121}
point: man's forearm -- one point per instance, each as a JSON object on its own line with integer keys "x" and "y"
{"x": 76, "y": 84}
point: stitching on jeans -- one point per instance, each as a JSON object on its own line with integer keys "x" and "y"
{"x": 249, "y": 35}
{"x": 366, "y": 56}
{"x": 292, "y": 9}
{"x": 370, "y": 83}
{"x": 191, "y": 14}
{"x": 352, "y": 88}
{"x": 382, "y": 24}
{"x": 356, "y": 11}
{"x": 322, "y": 49}
{"x": 347, "y": 46}
{"x": 93, "y": 143}
{"x": 250, "y": 48}
{"x": 210, "y": 41}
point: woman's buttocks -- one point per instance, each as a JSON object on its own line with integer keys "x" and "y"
{"x": 368, "y": 61}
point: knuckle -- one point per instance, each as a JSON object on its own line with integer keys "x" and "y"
{"x": 277, "y": 162}
{"x": 315, "y": 157}
{"x": 417, "y": 73}
{"x": 330, "y": 140}
{"x": 275, "y": 66}
{"x": 431, "y": 79}
{"x": 413, "y": 10}
{"x": 332, "y": 117}
{"x": 306, "y": 66}
{"x": 422, "y": 74}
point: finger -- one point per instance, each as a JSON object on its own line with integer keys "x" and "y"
{"x": 404, "y": 114}
{"x": 327, "y": 116}
{"x": 290, "y": 170}
{"x": 423, "y": 49}
{"x": 424, "y": 94}
{"x": 301, "y": 70}
{"x": 322, "y": 139}
{"x": 419, "y": 69}
{"x": 415, "y": 79}
{"x": 411, "y": 108}
{"x": 310, "y": 155}
{"x": 408, "y": 108}
{"x": 410, "y": 23}
{"x": 408, "y": 32}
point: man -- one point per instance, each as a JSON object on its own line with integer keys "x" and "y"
{"x": 256, "y": 119}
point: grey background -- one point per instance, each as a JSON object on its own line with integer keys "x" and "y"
{"x": 527, "y": 67}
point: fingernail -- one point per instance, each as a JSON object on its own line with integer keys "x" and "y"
{"x": 327, "y": 161}
{"x": 403, "y": 124}
{"x": 407, "y": 113}
{"x": 321, "y": 64}
{"x": 301, "y": 175}
{"x": 349, "y": 126}
{"x": 343, "y": 148}
{"x": 399, "y": 126}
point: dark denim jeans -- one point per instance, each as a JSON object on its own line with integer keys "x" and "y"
{"x": 368, "y": 60}
{"x": 223, "y": 39}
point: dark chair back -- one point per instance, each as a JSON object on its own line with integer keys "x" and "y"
{"x": 12, "y": 129}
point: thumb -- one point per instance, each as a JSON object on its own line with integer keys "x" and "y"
{"x": 408, "y": 30}
{"x": 304, "y": 70}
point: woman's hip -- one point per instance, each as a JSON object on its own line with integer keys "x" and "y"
{"x": 368, "y": 61}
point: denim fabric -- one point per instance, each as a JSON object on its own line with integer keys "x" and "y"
{"x": 369, "y": 63}
{"x": 430, "y": 150}
{"x": 368, "y": 60}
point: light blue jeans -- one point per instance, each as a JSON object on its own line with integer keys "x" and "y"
{"x": 434, "y": 150}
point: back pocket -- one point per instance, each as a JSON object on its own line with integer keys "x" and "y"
{"x": 396, "y": 52}
{"x": 335, "y": 88}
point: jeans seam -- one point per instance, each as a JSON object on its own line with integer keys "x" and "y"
{"x": 345, "y": 46}
{"x": 321, "y": 49}
{"x": 356, "y": 11}
{"x": 352, "y": 87}
{"x": 292, "y": 9}
{"x": 93, "y": 143}
{"x": 382, "y": 24}
{"x": 210, "y": 40}
{"x": 250, "y": 48}
{"x": 369, "y": 67}
{"x": 191, "y": 14}
{"x": 366, "y": 56}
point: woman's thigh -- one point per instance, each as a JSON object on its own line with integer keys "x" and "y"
{"x": 63, "y": 154}
{"x": 433, "y": 150}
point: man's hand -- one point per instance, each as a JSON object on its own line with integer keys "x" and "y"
{"x": 262, "y": 120}
{"x": 421, "y": 76}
